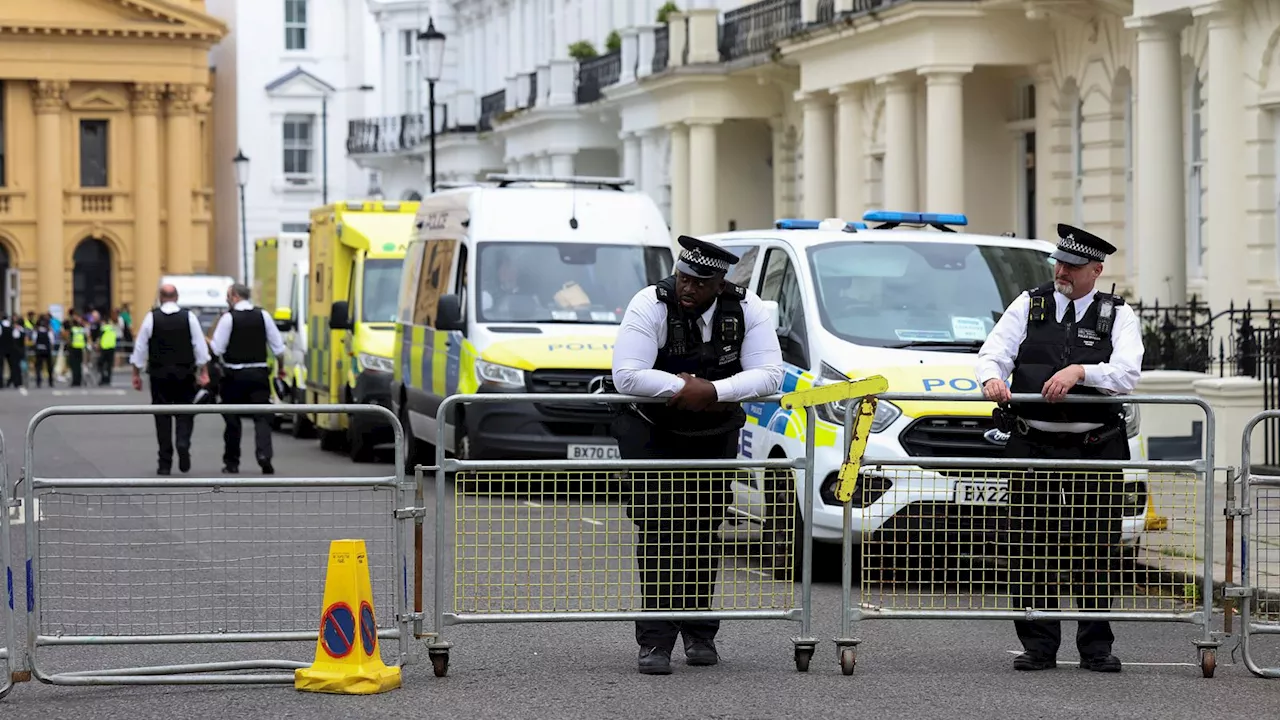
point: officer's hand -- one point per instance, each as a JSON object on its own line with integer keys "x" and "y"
{"x": 1061, "y": 383}
{"x": 696, "y": 395}
{"x": 996, "y": 391}
{"x": 137, "y": 382}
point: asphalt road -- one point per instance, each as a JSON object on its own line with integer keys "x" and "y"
{"x": 155, "y": 561}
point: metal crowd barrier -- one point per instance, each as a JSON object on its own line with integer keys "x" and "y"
{"x": 176, "y": 559}
{"x": 1259, "y": 514}
{"x": 615, "y": 540}
{"x": 986, "y": 537}
{"x": 6, "y": 560}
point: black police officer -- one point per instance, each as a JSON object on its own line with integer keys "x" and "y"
{"x": 707, "y": 345}
{"x": 1064, "y": 338}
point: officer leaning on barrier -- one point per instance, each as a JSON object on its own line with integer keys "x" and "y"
{"x": 173, "y": 351}
{"x": 1060, "y": 339}
{"x": 707, "y": 345}
{"x": 241, "y": 339}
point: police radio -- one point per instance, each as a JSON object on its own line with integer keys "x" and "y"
{"x": 1107, "y": 312}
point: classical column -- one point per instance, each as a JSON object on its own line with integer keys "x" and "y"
{"x": 900, "y": 183}
{"x": 850, "y": 183}
{"x": 631, "y": 159}
{"x": 650, "y": 178}
{"x": 179, "y": 179}
{"x": 1159, "y": 210}
{"x": 944, "y": 138}
{"x": 704, "y": 206}
{"x": 146, "y": 194}
{"x": 679, "y": 178}
{"x": 819, "y": 156}
{"x": 561, "y": 164}
{"x": 1046, "y": 90}
{"x": 49, "y": 96}
{"x": 1226, "y": 257}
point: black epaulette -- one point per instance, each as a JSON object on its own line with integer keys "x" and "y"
{"x": 736, "y": 292}
{"x": 665, "y": 289}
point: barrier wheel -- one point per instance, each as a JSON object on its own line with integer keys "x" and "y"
{"x": 803, "y": 656}
{"x": 848, "y": 659}
{"x": 440, "y": 663}
{"x": 1208, "y": 662}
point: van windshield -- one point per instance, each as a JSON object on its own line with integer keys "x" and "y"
{"x": 381, "y": 290}
{"x": 920, "y": 294}
{"x": 563, "y": 282}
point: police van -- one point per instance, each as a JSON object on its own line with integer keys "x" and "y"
{"x": 904, "y": 296}
{"x": 519, "y": 286}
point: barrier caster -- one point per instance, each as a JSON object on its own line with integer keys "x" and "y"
{"x": 440, "y": 662}
{"x": 848, "y": 659}
{"x": 1208, "y": 662}
{"x": 803, "y": 656}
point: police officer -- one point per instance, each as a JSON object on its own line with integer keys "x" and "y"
{"x": 1064, "y": 338}
{"x": 241, "y": 339}
{"x": 10, "y": 335}
{"x": 42, "y": 345}
{"x": 77, "y": 342}
{"x": 705, "y": 344}
{"x": 171, "y": 348}
{"x": 106, "y": 351}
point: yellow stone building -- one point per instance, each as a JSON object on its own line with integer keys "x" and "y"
{"x": 106, "y": 180}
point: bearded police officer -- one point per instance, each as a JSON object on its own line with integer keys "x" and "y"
{"x": 241, "y": 339}
{"x": 707, "y": 345}
{"x": 171, "y": 348}
{"x": 1060, "y": 339}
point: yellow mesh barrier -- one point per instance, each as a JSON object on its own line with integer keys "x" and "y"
{"x": 1264, "y": 549}
{"x": 606, "y": 540}
{"x": 1074, "y": 540}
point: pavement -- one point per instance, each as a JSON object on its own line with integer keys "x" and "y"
{"x": 244, "y": 561}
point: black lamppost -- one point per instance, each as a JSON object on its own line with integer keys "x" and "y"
{"x": 431, "y": 50}
{"x": 242, "y": 179}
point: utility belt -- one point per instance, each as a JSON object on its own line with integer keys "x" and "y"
{"x": 1007, "y": 422}
{"x": 719, "y": 419}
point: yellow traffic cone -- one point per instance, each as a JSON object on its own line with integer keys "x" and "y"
{"x": 347, "y": 657}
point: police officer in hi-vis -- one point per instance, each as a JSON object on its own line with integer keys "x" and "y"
{"x": 707, "y": 345}
{"x": 1064, "y": 338}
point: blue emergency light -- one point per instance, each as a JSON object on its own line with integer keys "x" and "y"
{"x": 892, "y": 219}
{"x": 798, "y": 224}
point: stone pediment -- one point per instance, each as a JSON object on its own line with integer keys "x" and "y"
{"x": 124, "y": 18}
{"x": 100, "y": 100}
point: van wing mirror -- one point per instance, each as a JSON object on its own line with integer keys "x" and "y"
{"x": 449, "y": 314}
{"x": 339, "y": 316}
{"x": 284, "y": 319}
{"x": 775, "y": 316}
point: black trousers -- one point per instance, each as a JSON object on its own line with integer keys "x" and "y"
{"x": 106, "y": 362}
{"x": 249, "y": 386}
{"x": 15, "y": 370}
{"x": 75, "y": 358}
{"x": 173, "y": 390}
{"x": 1064, "y": 537}
{"x": 42, "y": 367}
{"x": 676, "y": 515}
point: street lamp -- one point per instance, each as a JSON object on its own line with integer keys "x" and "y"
{"x": 242, "y": 179}
{"x": 431, "y": 50}
{"x": 324, "y": 140}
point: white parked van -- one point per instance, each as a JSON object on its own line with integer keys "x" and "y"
{"x": 204, "y": 295}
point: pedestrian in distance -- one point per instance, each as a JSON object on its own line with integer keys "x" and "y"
{"x": 10, "y": 336}
{"x": 77, "y": 342}
{"x": 706, "y": 345}
{"x": 107, "y": 337}
{"x": 241, "y": 339}
{"x": 172, "y": 350}
{"x": 42, "y": 345}
{"x": 1062, "y": 339}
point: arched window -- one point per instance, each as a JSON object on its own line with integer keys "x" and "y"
{"x": 91, "y": 278}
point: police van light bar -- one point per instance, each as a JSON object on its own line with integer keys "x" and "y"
{"x": 797, "y": 224}
{"x": 913, "y": 218}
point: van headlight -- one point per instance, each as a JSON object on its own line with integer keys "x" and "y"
{"x": 375, "y": 363}
{"x": 499, "y": 376}
{"x": 1132, "y": 419}
{"x": 886, "y": 414}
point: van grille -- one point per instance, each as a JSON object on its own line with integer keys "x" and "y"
{"x": 951, "y": 437}
{"x": 567, "y": 381}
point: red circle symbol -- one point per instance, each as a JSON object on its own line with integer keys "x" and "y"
{"x": 338, "y": 630}
{"x": 368, "y": 628}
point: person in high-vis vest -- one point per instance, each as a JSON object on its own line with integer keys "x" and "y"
{"x": 78, "y": 340}
{"x": 106, "y": 352}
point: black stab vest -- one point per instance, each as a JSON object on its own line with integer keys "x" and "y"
{"x": 1051, "y": 346}
{"x": 169, "y": 351}
{"x": 248, "y": 342}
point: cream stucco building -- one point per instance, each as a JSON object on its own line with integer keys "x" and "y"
{"x": 105, "y": 180}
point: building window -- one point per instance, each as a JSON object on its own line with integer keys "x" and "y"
{"x": 295, "y": 24}
{"x": 1077, "y": 163}
{"x": 295, "y": 227}
{"x": 410, "y": 72}
{"x": 93, "y": 153}
{"x": 1195, "y": 178}
{"x": 299, "y": 148}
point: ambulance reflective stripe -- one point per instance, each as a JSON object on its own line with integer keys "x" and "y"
{"x": 433, "y": 361}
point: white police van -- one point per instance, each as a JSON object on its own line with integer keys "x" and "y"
{"x": 910, "y": 299}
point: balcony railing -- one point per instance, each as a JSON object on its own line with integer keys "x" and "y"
{"x": 757, "y": 27}
{"x": 596, "y": 74}
{"x": 533, "y": 89}
{"x": 826, "y": 11}
{"x": 393, "y": 133}
{"x": 661, "y": 48}
{"x": 491, "y": 106}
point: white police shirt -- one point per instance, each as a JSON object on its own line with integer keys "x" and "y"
{"x": 1118, "y": 376}
{"x": 644, "y": 331}
{"x": 222, "y": 336}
